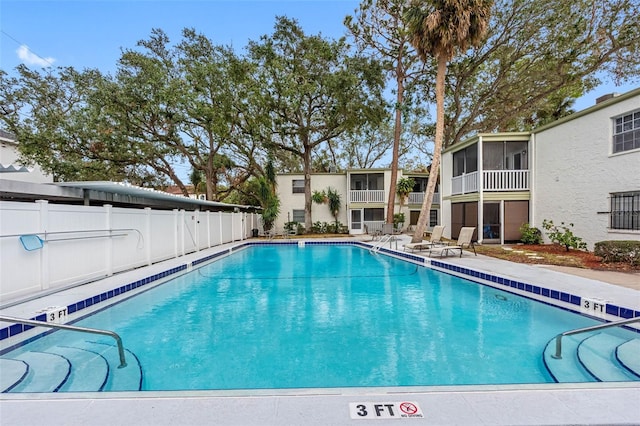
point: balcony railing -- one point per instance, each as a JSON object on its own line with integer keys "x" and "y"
{"x": 505, "y": 180}
{"x": 464, "y": 184}
{"x": 418, "y": 198}
{"x": 366, "y": 196}
{"x": 492, "y": 180}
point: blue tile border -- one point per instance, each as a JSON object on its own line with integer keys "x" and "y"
{"x": 621, "y": 312}
{"x": 16, "y": 329}
{"x": 572, "y": 299}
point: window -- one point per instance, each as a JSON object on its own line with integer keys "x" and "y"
{"x": 297, "y": 216}
{"x": 433, "y": 218}
{"x": 625, "y": 211}
{"x": 506, "y": 155}
{"x": 298, "y": 186}
{"x": 626, "y": 132}
{"x": 465, "y": 161}
{"x": 371, "y": 181}
{"x": 374, "y": 214}
{"x": 415, "y": 214}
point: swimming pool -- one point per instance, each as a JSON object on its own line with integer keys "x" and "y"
{"x": 274, "y": 316}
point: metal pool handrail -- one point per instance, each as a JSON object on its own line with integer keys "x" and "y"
{"x": 558, "y": 354}
{"x": 123, "y": 362}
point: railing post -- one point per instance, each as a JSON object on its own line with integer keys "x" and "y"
{"x": 44, "y": 253}
{"x": 558, "y": 354}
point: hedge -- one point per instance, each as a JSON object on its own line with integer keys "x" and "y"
{"x": 618, "y": 251}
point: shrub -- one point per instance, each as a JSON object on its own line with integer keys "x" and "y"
{"x": 398, "y": 219}
{"x": 618, "y": 251}
{"x": 530, "y": 234}
{"x": 319, "y": 227}
{"x": 563, "y": 235}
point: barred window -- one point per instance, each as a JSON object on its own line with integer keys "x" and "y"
{"x": 625, "y": 210}
{"x": 298, "y": 186}
{"x": 626, "y": 132}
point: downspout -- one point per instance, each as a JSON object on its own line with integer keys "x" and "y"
{"x": 531, "y": 165}
{"x": 480, "y": 190}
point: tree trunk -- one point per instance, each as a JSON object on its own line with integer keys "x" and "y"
{"x": 307, "y": 188}
{"x": 437, "y": 152}
{"x": 396, "y": 142}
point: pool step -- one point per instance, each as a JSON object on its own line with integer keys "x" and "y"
{"x": 84, "y": 367}
{"x": 594, "y": 357}
{"x": 628, "y": 354}
{"x": 89, "y": 371}
{"x": 597, "y": 355}
{"x": 127, "y": 378}
{"x": 567, "y": 369}
{"x": 12, "y": 372}
{"x": 46, "y": 373}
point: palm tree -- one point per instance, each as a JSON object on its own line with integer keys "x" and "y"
{"x": 448, "y": 25}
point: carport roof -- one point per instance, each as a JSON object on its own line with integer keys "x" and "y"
{"x": 102, "y": 192}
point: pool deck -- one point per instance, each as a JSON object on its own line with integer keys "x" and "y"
{"x": 546, "y": 404}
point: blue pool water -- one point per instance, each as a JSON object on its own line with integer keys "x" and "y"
{"x": 327, "y": 316}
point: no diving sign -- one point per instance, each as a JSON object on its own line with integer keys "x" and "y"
{"x": 385, "y": 410}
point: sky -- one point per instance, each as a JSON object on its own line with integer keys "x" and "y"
{"x": 92, "y": 33}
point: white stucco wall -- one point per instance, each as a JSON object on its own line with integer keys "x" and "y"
{"x": 9, "y": 155}
{"x": 575, "y": 172}
{"x": 319, "y": 182}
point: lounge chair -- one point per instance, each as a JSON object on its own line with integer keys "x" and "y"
{"x": 464, "y": 241}
{"x": 436, "y": 239}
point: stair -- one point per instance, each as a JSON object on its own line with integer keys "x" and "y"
{"x": 568, "y": 369}
{"x": 628, "y": 355}
{"x": 90, "y": 369}
{"x": 84, "y": 367}
{"x": 597, "y": 355}
{"x": 12, "y": 372}
{"x": 47, "y": 372}
{"x": 128, "y": 378}
{"x": 594, "y": 357}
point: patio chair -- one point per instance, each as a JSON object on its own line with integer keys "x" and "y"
{"x": 436, "y": 239}
{"x": 464, "y": 241}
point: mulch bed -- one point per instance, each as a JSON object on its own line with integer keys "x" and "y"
{"x": 554, "y": 254}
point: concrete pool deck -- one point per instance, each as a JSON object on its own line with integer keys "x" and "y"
{"x": 546, "y": 404}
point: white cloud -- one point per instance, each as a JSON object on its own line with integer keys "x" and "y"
{"x": 30, "y": 58}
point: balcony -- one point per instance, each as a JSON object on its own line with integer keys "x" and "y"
{"x": 366, "y": 196}
{"x": 492, "y": 180}
{"x": 418, "y": 198}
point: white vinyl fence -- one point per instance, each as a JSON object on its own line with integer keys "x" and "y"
{"x": 47, "y": 246}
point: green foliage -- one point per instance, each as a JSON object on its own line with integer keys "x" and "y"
{"x": 311, "y": 91}
{"x": 334, "y": 202}
{"x": 530, "y": 234}
{"x": 331, "y": 197}
{"x": 319, "y": 197}
{"x": 398, "y": 219}
{"x": 618, "y": 251}
{"x": 563, "y": 235}
{"x": 294, "y": 226}
{"x": 405, "y": 186}
{"x": 319, "y": 227}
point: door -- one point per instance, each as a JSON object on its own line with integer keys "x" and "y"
{"x": 491, "y": 222}
{"x": 356, "y": 222}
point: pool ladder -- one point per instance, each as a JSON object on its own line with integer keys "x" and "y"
{"x": 123, "y": 362}
{"x": 377, "y": 246}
